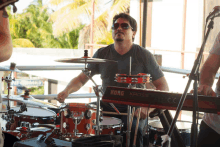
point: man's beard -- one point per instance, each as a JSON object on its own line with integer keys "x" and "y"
{"x": 119, "y": 40}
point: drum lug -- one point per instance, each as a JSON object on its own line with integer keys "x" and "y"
{"x": 94, "y": 121}
{"x": 88, "y": 114}
{"x": 88, "y": 126}
{"x": 67, "y": 113}
{"x": 75, "y": 130}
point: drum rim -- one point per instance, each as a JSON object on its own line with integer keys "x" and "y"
{"x": 25, "y": 115}
{"x": 119, "y": 124}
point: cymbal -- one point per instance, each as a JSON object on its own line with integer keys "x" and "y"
{"x": 8, "y": 69}
{"x": 85, "y": 60}
{"x": 11, "y": 68}
{"x": 29, "y": 101}
{"x": 70, "y": 96}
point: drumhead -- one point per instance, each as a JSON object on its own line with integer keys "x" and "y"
{"x": 35, "y": 112}
{"x": 110, "y": 121}
{"x": 181, "y": 125}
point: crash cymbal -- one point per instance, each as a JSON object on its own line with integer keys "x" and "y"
{"x": 85, "y": 60}
{"x": 29, "y": 100}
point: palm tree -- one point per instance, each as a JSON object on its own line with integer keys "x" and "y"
{"x": 70, "y": 16}
{"x": 31, "y": 29}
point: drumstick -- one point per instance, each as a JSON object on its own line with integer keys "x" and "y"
{"x": 132, "y": 116}
{"x": 114, "y": 113}
{"x": 137, "y": 124}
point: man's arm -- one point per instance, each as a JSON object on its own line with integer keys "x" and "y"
{"x": 6, "y": 46}
{"x": 74, "y": 85}
{"x": 161, "y": 84}
{"x": 207, "y": 74}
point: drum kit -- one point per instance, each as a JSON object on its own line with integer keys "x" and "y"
{"x": 68, "y": 122}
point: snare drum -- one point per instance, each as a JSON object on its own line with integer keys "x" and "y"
{"x": 111, "y": 125}
{"x": 82, "y": 114}
{"x": 133, "y": 79}
{"x": 156, "y": 131}
{"x": 32, "y": 115}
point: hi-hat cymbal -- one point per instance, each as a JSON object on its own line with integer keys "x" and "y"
{"x": 84, "y": 60}
{"x": 29, "y": 101}
{"x": 11, "y": 68}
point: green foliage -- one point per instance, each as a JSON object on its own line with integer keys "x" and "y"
{"x": 106, "y": 39}
{"x": 22, "y": 43}
{"x": 32, "y": 29}
{"x": 37, "y": 90}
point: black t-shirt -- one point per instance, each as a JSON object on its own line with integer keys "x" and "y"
{"x": 143, "y": 61}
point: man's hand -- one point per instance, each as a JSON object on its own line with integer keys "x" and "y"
{"x": 205, "y": 90}
{"x": 62, "y": 95}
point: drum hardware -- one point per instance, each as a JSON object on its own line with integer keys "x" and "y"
{"x": 129, "y": 114}
{"x": 76, "y": 121}
{"x": 8, "y": 79}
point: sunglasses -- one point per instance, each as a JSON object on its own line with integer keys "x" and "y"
{"x": 124, "y": 26}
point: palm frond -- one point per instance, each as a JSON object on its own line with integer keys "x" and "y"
{"x": 58, "y": 2}
{"x": 118, "y": 6}
{"x": 69, "y": 21}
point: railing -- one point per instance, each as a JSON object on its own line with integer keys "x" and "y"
{"x": 205, "y": 54}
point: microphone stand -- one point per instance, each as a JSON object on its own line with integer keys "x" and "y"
{"x": 194, "y": 75}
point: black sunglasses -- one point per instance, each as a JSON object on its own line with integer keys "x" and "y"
{"x": 124, "y": 26}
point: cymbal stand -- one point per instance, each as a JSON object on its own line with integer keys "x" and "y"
{"x": 97, "y": 90}
{"x": 8, "y": 80}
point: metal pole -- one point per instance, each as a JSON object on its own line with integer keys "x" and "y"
{"x": 144, "y": 23}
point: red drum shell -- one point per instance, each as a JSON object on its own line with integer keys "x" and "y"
{"x": 85, "y": 125}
